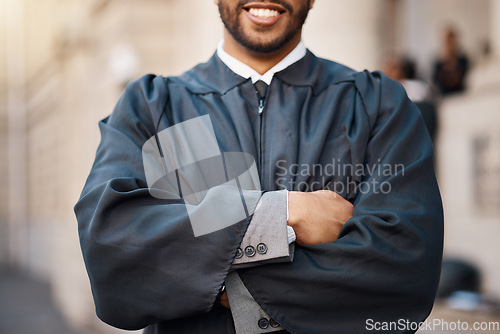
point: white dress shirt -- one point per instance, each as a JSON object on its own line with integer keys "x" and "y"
{"x": 246, "y": 71}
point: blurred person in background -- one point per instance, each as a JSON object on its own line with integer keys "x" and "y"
{"x": 423, "y": 94}
{"x": 325, "y": 251}
{"x": 451, "y": 68}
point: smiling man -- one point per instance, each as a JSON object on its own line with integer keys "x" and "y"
{"x": 346, "y": 232}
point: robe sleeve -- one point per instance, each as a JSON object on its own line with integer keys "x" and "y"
{"x": 385, "y": 265}
{"x": 142, "y": 258}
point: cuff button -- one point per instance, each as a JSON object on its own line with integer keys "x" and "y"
{"x": 263, "y": 323}
{"x": 262, "y": 248}
{"x": 239, "y": 253}
{"x": 249, "y": 251}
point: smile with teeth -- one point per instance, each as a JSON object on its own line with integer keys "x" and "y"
{"x": 263, "y": 13}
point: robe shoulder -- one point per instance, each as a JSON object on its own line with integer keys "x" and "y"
{"x": 382, "y": 99}
{"x": 380, "y": 96}
{"x": 142, "y": 101}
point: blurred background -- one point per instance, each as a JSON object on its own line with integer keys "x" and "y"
{"x": 64, "y": 64}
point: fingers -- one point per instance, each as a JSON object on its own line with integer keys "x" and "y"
{"x": 224, "y": 301}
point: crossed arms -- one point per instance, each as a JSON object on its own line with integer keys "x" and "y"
{"x": 145, "y": 266}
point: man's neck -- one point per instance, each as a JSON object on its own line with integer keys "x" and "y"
{"x": 260, "y": 62}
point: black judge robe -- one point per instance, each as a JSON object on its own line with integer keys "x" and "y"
{"x": 146, "y": 268}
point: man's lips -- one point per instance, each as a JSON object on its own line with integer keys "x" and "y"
{"x": 264, "y": 14}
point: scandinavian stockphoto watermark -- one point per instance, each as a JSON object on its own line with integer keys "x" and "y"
{"x": 184, "y": 162}
{"x": 219, "y": 189}
{"x": 374, "y": 176}
{"x": 431, "y": 325}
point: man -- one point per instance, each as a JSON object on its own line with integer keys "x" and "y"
{"x": 354, "y": 245}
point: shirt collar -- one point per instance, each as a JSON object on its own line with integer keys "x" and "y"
{"x": 246, "y": 71}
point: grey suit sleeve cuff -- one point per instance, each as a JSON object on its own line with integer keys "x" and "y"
{"x": 248, "y": 316}
{"x": 267, "y": 236}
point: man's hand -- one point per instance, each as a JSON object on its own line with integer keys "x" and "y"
{"x": 318, "y": 216}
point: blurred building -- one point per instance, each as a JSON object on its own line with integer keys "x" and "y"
{"x": 63, "y": 65}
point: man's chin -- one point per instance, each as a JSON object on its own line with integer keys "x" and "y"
{"x": 262, "y": 49}
{"x": 259, "y": 45}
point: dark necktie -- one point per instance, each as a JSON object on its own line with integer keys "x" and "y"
{"x": 261, "y": 88}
